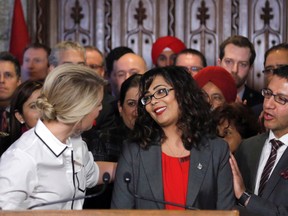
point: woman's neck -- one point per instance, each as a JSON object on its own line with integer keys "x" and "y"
{"x": 60, "y": 130}
{"x": 172, "y": 132}
{"x": 173, "y": 145}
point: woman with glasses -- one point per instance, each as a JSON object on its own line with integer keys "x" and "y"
{"x": 174, "y": 160}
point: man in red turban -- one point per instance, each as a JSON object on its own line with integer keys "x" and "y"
{"x": 218, "y": 84}
{"x": 165, "y": 49}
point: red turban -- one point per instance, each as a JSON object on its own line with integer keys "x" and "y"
{"x": 161, "y": 43}
{"x": 219, "y": 77}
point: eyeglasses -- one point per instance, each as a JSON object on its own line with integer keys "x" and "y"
{"x": 267, "y": 93}
{"x": 214, "y": 97}
{"x": 194, "y": 69}
{"x": 270, "y": 70}
{"x": 160, "y": 93}
{"x": 95, "y": 66}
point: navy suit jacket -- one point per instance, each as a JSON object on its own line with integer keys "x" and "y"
{"x": 210, "y": 183}
{"x": 254, "y": 100}
{"x": 274, "y": 200}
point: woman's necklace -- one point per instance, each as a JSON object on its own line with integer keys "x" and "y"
{"x": 173, "y": 153}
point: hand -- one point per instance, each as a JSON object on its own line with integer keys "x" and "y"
{"x": 239, "y": 100}
{"x": 239, "y": 187}
{"x": 105, "y": 166}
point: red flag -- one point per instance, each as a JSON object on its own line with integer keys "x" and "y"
{"x": 19, "y": 38}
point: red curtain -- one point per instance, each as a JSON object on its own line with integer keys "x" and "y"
{"x": 19, "y": 32}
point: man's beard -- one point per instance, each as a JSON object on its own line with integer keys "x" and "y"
{"x": 238, "y": 81}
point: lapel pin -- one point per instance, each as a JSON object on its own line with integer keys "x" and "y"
{"x": 199, "y": 166}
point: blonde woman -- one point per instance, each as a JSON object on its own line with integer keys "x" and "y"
{"x": 50, "y": 161}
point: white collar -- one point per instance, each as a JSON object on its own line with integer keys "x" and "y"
{"x": 52, "y": 143}
{"x": 283, "y": 139}
{"x": 241, "y": 92}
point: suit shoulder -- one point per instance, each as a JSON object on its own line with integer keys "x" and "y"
{"x": 252, "y": 91}
{"x": 252, "y": 96}
{"x": 216, "y": 144}
{"x": 251, "y": 145}
{"x": 130, "y": 146}
{"x": 254, "y": 139}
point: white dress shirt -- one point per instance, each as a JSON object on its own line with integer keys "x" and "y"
{"x": 265, "y": 155}
{"x": 38, "y": 168}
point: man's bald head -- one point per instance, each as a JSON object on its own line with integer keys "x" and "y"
{"x": 123, "y": 68}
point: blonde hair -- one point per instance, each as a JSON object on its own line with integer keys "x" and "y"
{"x": 69, "y": 93}
{"x": 62, "y": 46}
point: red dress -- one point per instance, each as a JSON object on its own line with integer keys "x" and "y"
{"x": 175, "y": 179}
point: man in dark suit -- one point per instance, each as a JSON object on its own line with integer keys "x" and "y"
{"x": 263, "y": 159}
{"x": 237, "y": 55}
{"x": 108, "y": 115}
{"x": 275, "y": 57}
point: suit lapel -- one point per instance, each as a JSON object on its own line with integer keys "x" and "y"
{"x": 256, "y": 149}
{"x": 152, "y": 164}
{"x": 199, "y": 160}
{"x": 275, "y": 176}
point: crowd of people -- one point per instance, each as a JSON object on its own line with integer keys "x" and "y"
{"x": 181, "y": 135}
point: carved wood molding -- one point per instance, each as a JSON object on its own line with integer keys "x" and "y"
{"x": 201, "y": 24}
{"x": 108, "y": 23}
{"x": 235, "y": 17}
{"x": 42, "y": 21}
{"x": 171, "y": 17}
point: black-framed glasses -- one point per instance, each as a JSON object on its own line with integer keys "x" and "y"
{"x": 160, "y": 93}
{"x": 270, "y": 69}
{"x": 267, "y": 93}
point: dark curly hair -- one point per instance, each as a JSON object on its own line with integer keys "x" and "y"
{"x": 194, "y": 120}
{"x": 239, "y": 115}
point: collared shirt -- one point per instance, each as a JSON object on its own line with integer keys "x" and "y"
{"x": 38, "y": 168}
{"x": 241, "y": 92}
{"x": 265, "y": 155}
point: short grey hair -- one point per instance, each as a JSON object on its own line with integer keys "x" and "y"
{"x": 62, "y": 46}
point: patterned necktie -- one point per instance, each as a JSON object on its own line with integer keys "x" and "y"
{"x": 269, "y": 164}
{"x": 3, "y": 123}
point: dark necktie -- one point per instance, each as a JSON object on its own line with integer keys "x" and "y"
{"x": 3, "y": 122}
{"x": 269, "y": 164}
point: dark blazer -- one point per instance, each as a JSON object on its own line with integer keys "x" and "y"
{"x": 209, "y": 185}
{"x": 108, "y": 114}
{"x": 107, "y": 118}
{"x": 274, "y": 198}
{"x": 254, "y": 100}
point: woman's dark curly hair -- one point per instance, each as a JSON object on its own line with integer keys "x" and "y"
{"x": 239, "y": 115}
{"x": 194, "y": 120}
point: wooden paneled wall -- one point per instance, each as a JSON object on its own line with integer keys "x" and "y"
{"x": 201, "y": 24}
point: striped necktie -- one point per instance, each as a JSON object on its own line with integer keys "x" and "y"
{"x": 275, "y": 144}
